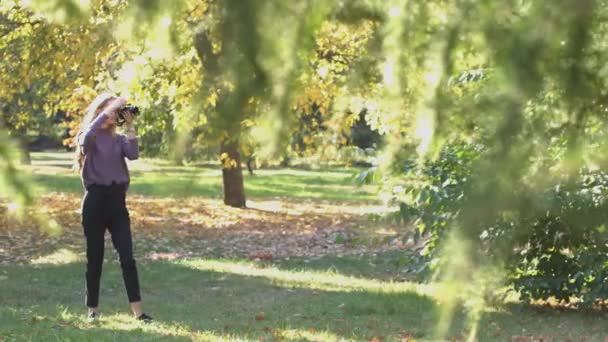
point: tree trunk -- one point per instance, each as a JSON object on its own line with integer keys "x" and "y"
{"x": 250, "y": 166}
{"x": 25, "y": 150}
{"x": 285, "y": 161}
{"x": 173, "y": 145}
{"x": 232, "y": 175}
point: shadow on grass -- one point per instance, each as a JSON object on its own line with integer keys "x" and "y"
{"x": 187, "y": 185}
{"x": 386, "y": 266}
{"x": 151, "y": 185}
{"x": 26, "y": 324}
{"x": 215, "y": 299}
{"x": 197, "y": 304}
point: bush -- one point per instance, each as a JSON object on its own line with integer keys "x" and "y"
{"x": 565, "y": 254}
{"x": 429, "y": 194}
{"x": 554, "y": 247}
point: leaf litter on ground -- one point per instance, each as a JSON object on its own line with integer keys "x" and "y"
{"x": 170, "y": 228}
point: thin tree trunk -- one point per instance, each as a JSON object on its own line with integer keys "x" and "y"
{"x": 232, "y": 175}
{"x": 250, "y": 166}
{"x": 26, "y": 159}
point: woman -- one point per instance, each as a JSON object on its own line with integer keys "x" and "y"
{"x": 101, "y": 156}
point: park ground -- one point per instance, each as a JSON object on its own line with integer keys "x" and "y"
{"x": 307, "y": 261}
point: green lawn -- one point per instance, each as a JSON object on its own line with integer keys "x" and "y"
{"x": 210, "y": 297}
{"x": 51, "y": 172}
{"x": 209, "y": 300}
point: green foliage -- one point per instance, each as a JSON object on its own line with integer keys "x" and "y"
{"x": 12, "y": 181}
{"x": 362, "y": 135}
{"x": 562, "y": 255}
{"x": 550, "y": 243}
{"x": 44, "y": 62}
{"x": 156, "y": 132}
{"x": 521, "y": 80}
{"x": 524, "y": 79}
{"x": 430, "y": 194}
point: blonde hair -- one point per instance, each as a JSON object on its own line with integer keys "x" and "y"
{"x": 93, "y": 110}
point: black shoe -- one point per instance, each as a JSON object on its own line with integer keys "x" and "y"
{"x": 145, "y": 318}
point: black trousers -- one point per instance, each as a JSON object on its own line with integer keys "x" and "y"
{"x": 105, "y": 207}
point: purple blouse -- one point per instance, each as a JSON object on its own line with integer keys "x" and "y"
{"x": 104, "y": 154}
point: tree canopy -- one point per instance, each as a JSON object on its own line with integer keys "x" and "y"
{"x": 492, "y": 113}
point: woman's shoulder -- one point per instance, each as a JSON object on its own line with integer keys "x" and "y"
{"x": 121, "y": 137}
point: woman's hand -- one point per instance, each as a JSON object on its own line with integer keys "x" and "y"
{"x": 115, "y": 105}
{"x": 129, "y": 118}
{"x": 129, "y": 128}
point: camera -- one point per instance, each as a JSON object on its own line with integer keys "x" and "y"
{"x": 120, "y": 114}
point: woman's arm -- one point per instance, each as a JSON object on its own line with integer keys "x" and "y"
{"x": 130, "y": 146}
{"x": 86, "y": 136}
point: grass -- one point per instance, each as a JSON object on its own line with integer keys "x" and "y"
{"x": 329, "y": 298}
{"x": 210, "y": 300}
{"x": 51, "y": 172}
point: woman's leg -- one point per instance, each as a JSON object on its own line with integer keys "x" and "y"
{"x": 94, "y": 231}
{"x": 120, "y": 228}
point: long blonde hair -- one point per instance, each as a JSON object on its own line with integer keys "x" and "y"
{"x": 93, "y": 111}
